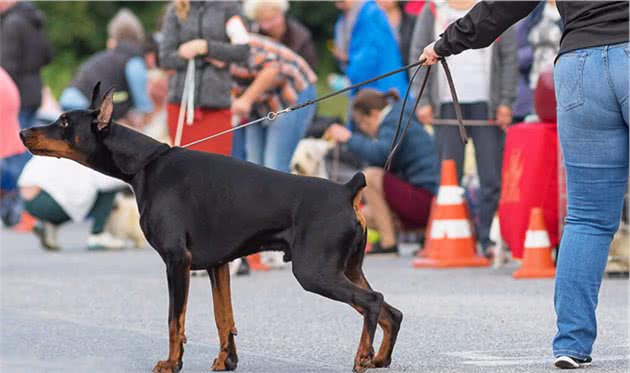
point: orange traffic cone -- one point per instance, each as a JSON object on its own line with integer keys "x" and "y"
{"x": 450, "y": 239}
{"x": 537, "y": 261}
{"x": 256, "y": 264}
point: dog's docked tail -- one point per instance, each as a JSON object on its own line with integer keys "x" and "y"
{"x": 355, "y": 185}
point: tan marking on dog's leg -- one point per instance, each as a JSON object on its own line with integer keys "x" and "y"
{"x": 357, "y": 210}
{"x": 224, "y": 318}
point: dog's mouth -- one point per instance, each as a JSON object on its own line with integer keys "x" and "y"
{"x": 45, "y": 147}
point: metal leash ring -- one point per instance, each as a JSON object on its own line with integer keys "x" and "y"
{"x": 272, "y": 115}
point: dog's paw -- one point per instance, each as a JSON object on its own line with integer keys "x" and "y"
{"x": 167, "y": 366}
{"x": 381, "y": 362}
{"x": 363, "y": 365}
{"x": 226, "y": 361}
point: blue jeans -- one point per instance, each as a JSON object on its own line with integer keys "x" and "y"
{"x": 592, "y": 92}
{"x": 271, "y": 144}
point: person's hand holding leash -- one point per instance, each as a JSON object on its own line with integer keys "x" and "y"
{"x": 192, "y": 48}
{"x": 504, "y": 116}
{"x": 429, "y": 55}
{"x": 338, "y": 133}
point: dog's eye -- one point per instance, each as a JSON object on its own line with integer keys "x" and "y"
{"x": 63, "y": 123}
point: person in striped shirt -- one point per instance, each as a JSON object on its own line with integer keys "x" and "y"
{"x": 272, "y": 78}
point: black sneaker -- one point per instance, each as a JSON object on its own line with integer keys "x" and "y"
{"x": 568, "y": 362}
{"x": 243, "y": 268}
{"x": 378, "y": 249}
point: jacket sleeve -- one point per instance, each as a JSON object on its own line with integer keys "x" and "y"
{"x": 10, "y": 41}
{"x": 363, "y": 49}
{"x": 224, "y": 50}
{"x": 423, "y": 34}
{"x": 508, "y": 49}
{"x": 373, "y": 151}
{"x": 481, "y": 25}
{"x": 169, "y": 59}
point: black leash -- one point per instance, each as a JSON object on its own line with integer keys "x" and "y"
{"x": 398, "y": 137}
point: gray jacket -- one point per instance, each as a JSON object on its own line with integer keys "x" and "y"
{"x": 206, "y": 20}
{"x": 503, "y": 70}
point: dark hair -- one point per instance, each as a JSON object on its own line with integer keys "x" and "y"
{"x": 370, "y": 99}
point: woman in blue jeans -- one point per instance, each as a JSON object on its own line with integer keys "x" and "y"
{"x": 591, "y": 82}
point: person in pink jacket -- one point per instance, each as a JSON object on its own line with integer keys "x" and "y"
{"x": 13, "y": 154}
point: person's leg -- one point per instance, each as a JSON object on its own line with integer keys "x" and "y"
{"x": 488, "y": 142}
{"x": 286, "y": 131}
{"x": 44, "y": 207}
{"x": 49, "y": 214}
{"x": 447, "y": 140}
{"x": 238, "y": 145}
{"x": 591, "y": 89}
{"x": 101, "y": 210}
{"x": 379, "y": 210}
{"x": 255, "y": 139}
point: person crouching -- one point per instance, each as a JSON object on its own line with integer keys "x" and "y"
{"x": 406, "y": 190}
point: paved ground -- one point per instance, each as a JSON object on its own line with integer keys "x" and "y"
{"x": 90, "y": 312}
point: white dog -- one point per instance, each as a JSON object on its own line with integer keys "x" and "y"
{"x": 124, "y": 221}
{"x": 309, "y": 158}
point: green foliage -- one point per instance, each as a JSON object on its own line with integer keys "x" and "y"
{"x": 78, "y": 29}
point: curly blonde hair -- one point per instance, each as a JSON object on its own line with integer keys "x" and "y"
{"x": 182, "y": 8}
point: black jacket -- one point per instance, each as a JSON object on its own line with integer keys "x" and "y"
{"x": 24, "y": 50}
{"x": 586, "y": 24}
{"x": 108, "y": 67}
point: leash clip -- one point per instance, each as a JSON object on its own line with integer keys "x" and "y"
{"x": 272, "y": 115}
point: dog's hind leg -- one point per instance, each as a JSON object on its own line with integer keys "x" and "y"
{"x": 178, "y": 275}
{"x": 389, "y": 318}
{"x": 333, "y": 284}
{"x": 224, "y": 318}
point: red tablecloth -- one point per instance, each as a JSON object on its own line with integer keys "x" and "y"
{"x": 530, "y": 179}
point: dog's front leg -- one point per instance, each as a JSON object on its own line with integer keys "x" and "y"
{"x": 224, "y": 318}
{"x": 178, "y": 275}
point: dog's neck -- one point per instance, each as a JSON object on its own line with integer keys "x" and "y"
{"x": 126, "y": 152}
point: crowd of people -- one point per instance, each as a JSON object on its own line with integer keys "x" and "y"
{"x": 213, "y": 65}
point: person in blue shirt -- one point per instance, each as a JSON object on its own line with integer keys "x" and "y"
{"x": 404, "y": 192}
{"x": 365, "y": 45}
{"x": 121, "y": 64}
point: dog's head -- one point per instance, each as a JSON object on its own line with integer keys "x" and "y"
{"x": 76, "y": 134}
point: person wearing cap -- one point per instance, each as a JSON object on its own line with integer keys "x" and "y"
{"x": 591, "y": 84}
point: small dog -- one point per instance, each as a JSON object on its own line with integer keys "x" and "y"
{"x": 124, "y": 221}
{"x": 200, "y": 211}
{"x": 309, "y": 158}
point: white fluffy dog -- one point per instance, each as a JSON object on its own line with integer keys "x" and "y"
{"x": 309, "y": 158}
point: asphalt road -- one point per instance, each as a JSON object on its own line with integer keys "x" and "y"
{"x": 78, "y": 311}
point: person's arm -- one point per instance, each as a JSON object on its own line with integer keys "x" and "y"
{"x": 265, "y": 79}
{"x": 136, "y": 75}
{"x": 479, "y": 27}
{"x": 373, "y": 151}
{"x": 10, "y": 42}
{"x": 168, "y": 51}
{"x": 508, "y": 51}
{"x": 423, "y": 34}
{"x": 237, "y": 49}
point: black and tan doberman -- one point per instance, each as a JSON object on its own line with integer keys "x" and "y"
{"x": 201, "y": 210}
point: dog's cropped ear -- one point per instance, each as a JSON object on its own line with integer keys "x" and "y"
{"x": 95, "y": 93}
{"x": 106, "y": 109}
